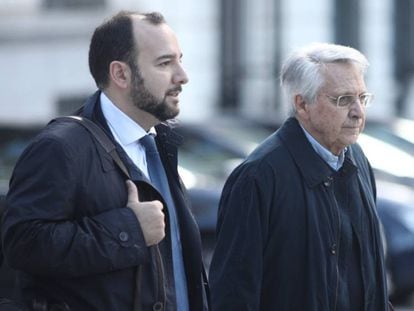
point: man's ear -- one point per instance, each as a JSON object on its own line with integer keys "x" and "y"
{"x": 120, "y": 74}
{"x": 301, "y": 106}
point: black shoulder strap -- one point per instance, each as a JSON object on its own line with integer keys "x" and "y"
{"x": 101, "y": 138}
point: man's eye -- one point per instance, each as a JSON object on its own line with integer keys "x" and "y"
{"x": 346, "y": 101}
{"x": 164, "y": 64}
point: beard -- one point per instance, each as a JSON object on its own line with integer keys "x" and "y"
{"x": 144, "y": 100}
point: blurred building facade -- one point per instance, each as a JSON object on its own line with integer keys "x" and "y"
{"x": 232, "y": 52}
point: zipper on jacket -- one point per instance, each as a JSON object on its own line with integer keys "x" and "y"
{"x": 328, "y": 184}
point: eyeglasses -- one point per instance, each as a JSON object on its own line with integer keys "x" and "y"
{"x": 345, "y": 101}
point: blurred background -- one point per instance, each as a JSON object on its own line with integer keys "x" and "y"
{"x": 233, "y": 50}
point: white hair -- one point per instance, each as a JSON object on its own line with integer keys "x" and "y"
{"x": 301, "y": 72}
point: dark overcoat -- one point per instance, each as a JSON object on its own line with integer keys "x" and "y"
{"x": 67, "y": 230}
{"x": 278, "y": 231}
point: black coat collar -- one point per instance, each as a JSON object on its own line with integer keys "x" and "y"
{"x": 311, "y": 166}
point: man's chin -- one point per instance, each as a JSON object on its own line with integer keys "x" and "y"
{"x": 173, "y": 115}
{"x": 173, "y": 108}
{"x": 172, "y": 101}
{"x": 167, "y": 115}
{"x": 352, "y": 139}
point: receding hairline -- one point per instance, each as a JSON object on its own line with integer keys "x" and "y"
{"x": 153, "y": 18}
{"x": 139, "y": 21}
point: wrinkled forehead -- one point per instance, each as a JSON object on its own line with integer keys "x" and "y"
{"x": 342, "y": 77}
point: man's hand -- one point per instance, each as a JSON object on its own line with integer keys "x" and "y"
{"x": 149, "y": 214}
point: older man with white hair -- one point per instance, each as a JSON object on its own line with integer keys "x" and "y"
{"x": 297, "y": 226}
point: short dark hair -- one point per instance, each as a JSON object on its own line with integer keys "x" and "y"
{"x": 114, "y": 40}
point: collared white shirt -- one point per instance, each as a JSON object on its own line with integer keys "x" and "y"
{"x": 333, "y": 161}
{"x": 126, "y": 132}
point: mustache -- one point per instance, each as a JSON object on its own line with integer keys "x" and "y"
{"x": 175, "y": 89}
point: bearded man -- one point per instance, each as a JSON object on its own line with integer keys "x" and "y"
{"x": 81, "y": 234}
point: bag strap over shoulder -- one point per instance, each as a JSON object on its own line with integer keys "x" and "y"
{"x": 110, "y": 148}
{"x": 100, "y": 137}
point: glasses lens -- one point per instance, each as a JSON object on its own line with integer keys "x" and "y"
{"x": 365, "y": 99}
{"x": 345, "y": 101}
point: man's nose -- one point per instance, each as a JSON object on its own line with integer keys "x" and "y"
{"x": 357, "y": 109}
{"x": 180, "y": 76}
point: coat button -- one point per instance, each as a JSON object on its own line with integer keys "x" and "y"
{"x": 333, "y": 249}
{"x": 328, "y": 181}
{"x": 123, "y": 236}
{"x": 158, "y": 306}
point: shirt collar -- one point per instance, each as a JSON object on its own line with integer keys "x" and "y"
{"x": 332, "y": 160}
{"x": 125, "y": 130}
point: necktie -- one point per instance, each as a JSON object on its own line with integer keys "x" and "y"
{"x": 159, "y": 179}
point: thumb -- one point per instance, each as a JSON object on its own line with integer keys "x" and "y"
{"x": 132, "y": 192}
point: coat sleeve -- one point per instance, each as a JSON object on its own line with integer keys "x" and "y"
{"x": 43, "y": 232}
{"x": 237, "y": 265}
